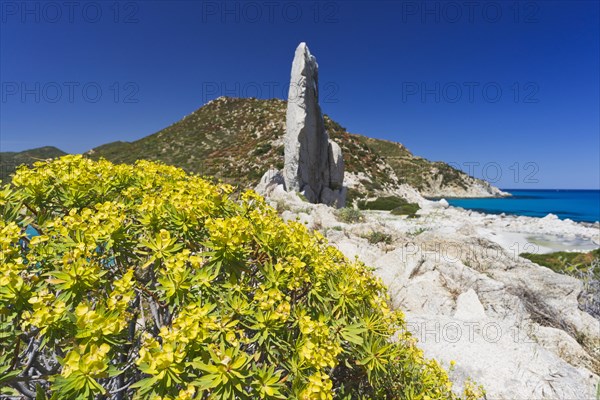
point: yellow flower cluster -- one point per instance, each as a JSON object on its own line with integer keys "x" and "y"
{"x": 45, "y": 311}
{"x": 193, "y": 324}
{"x": 228, "y": 236}
{"x": 89, "y": 360}
{"x": 10, "y": 234}
{"x": 297, "y": 271}
{"x": 273, "y": 300}
{"x": 13, "y": 286}
{"x": 157, "y": 359}
{"x": 318, "y": 388}
{"x": 93, "y": 325}
{"x": 122, "y": 294}
{"x": 317, "y": 349}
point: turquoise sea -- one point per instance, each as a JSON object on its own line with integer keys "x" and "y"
{"x": 578, "y": 205}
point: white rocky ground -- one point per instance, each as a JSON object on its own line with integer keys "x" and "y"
{"x": 510, "y": 325}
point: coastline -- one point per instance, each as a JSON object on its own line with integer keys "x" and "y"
{"x": 540, "y": 235}
{"x": 580, "y": 205}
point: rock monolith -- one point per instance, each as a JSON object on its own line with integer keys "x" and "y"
{"x": 313, "y": 165}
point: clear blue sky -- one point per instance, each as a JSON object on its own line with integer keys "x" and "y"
{"x": 503, "y": 87}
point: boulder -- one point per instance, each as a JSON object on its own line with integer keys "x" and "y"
{"x": 271, "y": 179}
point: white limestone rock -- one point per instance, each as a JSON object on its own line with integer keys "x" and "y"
{"x": 305, "y": 140}
{"x": 470, "y": 300}
{"x": 313, "y": 165}
{"x": 468, "y": 307}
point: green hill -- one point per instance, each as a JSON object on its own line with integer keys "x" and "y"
{"x": 237, "y": 140}
{"x": 9, "y": 161}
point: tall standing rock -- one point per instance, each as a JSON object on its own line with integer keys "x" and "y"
{"x": 313, "y": 164}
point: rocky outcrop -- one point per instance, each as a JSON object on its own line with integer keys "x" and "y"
{"x": 461, "y": 185}
{"x": 516, "y": 328}
{"x": 313, "y": 164}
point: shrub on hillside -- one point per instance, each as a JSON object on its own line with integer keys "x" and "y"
{"x": 589, "y": 299}
{"x": 382, "y": 203}
{"x": 397, "y": 205}
{"x": 376, "y": 237}
{"x": 349, "y": 215}
{"x": 144, "y": 282}
{"x": 353, "y": 195}
{"x": 409, "y": 209}
{"x": 566, "y": 262}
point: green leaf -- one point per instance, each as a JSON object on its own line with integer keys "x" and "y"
{"x": 352, "y": 333}
{"x": 39, "y": 392}
{"x": 5, "y": 377}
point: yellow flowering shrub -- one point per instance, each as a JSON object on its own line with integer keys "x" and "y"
{"x": 143, "y": 282}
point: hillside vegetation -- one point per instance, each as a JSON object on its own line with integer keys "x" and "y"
{"x": 237, "y": 140}
{"x": 566, "y": 262}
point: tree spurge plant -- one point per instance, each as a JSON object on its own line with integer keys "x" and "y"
{"x": 122, "y": 282}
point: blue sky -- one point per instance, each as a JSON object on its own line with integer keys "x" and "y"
{"x": 508, "y": 90}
